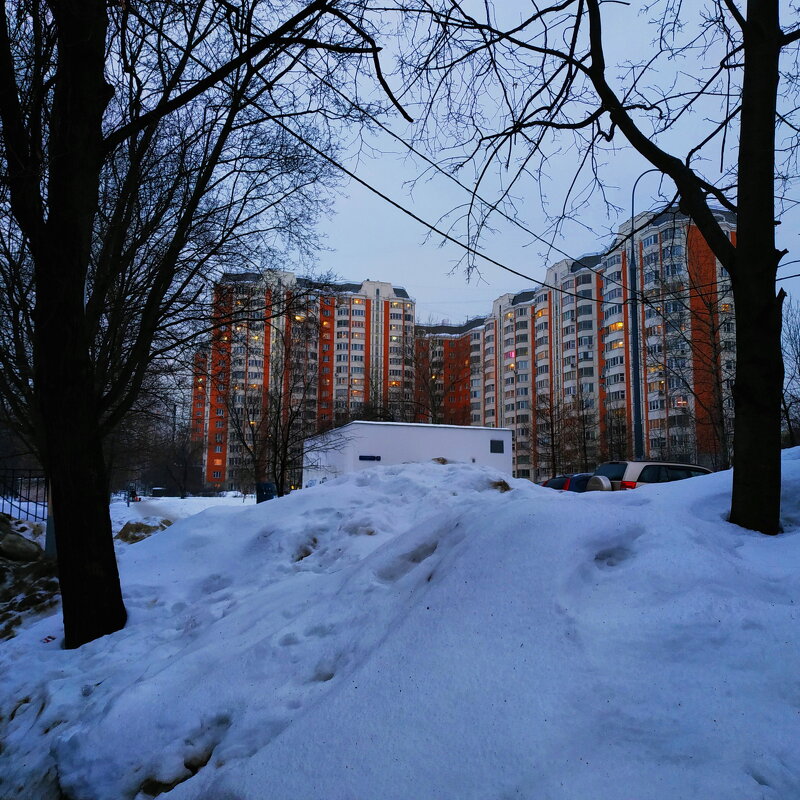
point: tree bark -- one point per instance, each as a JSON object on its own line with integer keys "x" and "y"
{"x": 755, "y": 501}
{"x": 65, "y": 390}
{"x": 87, "y": 567}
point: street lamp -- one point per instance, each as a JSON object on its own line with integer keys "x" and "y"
{"x": 638, "y": 435}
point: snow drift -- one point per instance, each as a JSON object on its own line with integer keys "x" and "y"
{"x": 429, "y": 631}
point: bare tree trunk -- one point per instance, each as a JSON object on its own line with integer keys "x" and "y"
{"x": 65, "y": 387}
{"x": 755, "y": 503}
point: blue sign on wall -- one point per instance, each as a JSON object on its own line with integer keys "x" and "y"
{"x": 369, "y": 458}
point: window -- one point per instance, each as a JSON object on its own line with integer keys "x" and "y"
{"x": 612, "y": 277}
{"x": 650, "y": 259}
{"x": 216, "y": 474}
{"x": 496, "y": 446}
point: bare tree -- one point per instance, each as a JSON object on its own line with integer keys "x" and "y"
{"x": 375, "y": 406}
{"x": 136, "y": 152}
{"x": 549, "y": 88}
{"x": 614, "y": 433}
{"x": 268, "y": 422}
{"x": 579, "y": 431}
{"x": 688, "y": 339}
{"x": 547, "y": 433}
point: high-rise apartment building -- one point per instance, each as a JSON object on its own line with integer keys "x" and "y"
{"x": 557, "y": 363}
{"x": 578, "y": 367}
{"x": 685, "y": 342}
{"x": 289, "y": 357}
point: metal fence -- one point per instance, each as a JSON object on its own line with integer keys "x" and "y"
{"x": 23, "y": 494}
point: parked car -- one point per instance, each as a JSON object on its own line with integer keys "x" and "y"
{"x": 613, "y": 475}
{"x": 569, "y": 483}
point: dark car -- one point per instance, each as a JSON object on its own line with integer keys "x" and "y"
{"x": 569, "y": 483}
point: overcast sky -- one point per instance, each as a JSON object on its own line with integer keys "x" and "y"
{"x": 370, "y": 239}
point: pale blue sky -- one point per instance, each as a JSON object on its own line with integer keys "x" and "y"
{"x": 370, "y": 239}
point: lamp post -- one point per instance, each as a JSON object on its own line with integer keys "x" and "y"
{"x": 638, "y": 436}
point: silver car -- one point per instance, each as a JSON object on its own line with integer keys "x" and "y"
{"x": 613, "y": 475}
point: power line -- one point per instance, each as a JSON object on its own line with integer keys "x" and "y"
{"x": 646, "y": 300}
{"x": 493, "y": 207}
{"x": 417, "y": 218}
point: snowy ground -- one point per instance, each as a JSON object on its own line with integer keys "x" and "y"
{"x": 153, "y": 510}
{"x": 418, "y": 633}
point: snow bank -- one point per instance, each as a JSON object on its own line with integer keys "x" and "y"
{"x": 430, "y": 631}
{"x": 154, "y": 510}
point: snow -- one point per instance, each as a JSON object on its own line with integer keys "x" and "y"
{"x": 418, "y": 631}
{"x": 152, "y": 510}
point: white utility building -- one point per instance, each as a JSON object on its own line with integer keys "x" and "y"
{"x": 362, "y": 444}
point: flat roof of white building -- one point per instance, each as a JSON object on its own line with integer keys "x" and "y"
{"x": 420, "y": 425}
